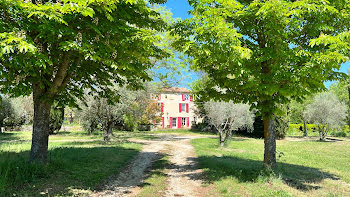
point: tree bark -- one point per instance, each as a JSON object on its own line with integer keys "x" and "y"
{"x": 228, "y": 136}
{"x": 41, "y": 127}
{"x": 305, "y": 129}
{"x": 221, "y": 139}
{"x": 270, "y": 144}
{"x": 108, "y": 131}
{"x": 1, "y": 126}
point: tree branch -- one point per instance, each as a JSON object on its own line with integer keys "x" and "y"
{"x": 61, "y": 75}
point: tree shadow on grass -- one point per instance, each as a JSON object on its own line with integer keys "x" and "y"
{"x": 70, "y": 170}
{"x": 8, "y": 137}
{"x": 246, "y": 170}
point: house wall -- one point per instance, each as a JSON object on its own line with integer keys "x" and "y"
{"x": 171, "y": 109}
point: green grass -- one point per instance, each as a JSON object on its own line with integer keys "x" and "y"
{"x": 305, "y": 168}
{"x": 75, "y": 168}
{"x": 294, "y": 130}
{"x": 155, "y": 184}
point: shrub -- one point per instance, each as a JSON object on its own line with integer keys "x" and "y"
{"x": 339, "y": 134}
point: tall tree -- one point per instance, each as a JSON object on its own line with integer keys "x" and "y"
{"x": 266, "y": 53}
{"x": 57, "y": 49}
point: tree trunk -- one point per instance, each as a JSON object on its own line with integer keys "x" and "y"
{"x": 228, "y": 136}
{"x": 41, "y": 127}
{"x": 108, "y": 131}
{"x": 71, "y": 118}
{"x": 305, "y": 129}
{"x": 221, "y": 138}
{"x": 1, "y": 126}
{"x": 322, "y": 134}
{"x": 270, "y": 144}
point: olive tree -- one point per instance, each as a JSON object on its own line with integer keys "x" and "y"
{"x": 58, "y": 49}
{"x": 327, "y": 112}
{"x": 227, "y": 117}
{"x": 133, "y": 109}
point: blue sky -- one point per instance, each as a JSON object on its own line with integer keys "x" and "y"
{"x": 180, "y": 9}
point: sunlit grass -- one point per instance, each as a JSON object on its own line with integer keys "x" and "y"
{"x": 305, "y": 168}
{"x": 74, "y": 167}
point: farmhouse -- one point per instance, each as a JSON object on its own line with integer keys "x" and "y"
{"x": 177, "y": 108}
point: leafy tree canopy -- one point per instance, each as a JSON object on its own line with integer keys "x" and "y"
{"x": 67, "y": 46}
{"x": 267, "y": 52}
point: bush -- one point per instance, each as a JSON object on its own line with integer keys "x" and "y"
{"x": 309, "y": 127}
{"x": 339, "y": 134}
{"x": 56, "y": 118}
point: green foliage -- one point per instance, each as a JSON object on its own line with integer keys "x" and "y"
{"x": 327, "y": 112}
{"x": 133, "y": 109}
{"x": 56, "y": 118}
{"x": 281, "y": 123}
{"x": 309, "y": 127}
{"x": 296, "y": 111}
{"x": 339, "y": 134}
{"x": 12, "y": 112}
{"x": 266, "y": 53}
{"x": 70, "y": 46}
{"x": 340, "y": 89}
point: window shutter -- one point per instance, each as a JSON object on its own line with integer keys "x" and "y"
{"x": 183, "y": 97}
{"x": 191, "y": 98}
{"x": 162, "y": 107}
{"x": 179, "y": 122}
{"x": 179, "y": 107}
{"x": 171, "y": 122}
{"x": 163, "y": 122}
{"x": 188, "y": 122}
{"x": 187, "y": 108}
{"x": 159, "y": 96}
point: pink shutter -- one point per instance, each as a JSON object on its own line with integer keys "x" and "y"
{"x": 162, "y": 107}
{"x": 183, "y": 97}
{"x": 187, "y": 108}
{"x": 179, "y": 107}
{"x": 171, "y": 122}
{"x": 191, "y": 98}
{"x": 188, "y": 122}
{"x": 163, "y": 122}
{"x": 179, "y": 122}
{"x": 159, "y": 96}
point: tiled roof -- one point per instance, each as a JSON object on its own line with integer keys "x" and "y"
{"x": 175, "y": 89}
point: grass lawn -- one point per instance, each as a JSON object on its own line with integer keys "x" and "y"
{"x": 75, "y": 167}
{"x": 305, "y": 168}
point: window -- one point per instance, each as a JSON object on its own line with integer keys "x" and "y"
{"x": 174, "y": 122}
{"x": 183, "y": 107}
{"x": 187, "y": 97}
{"x": 183, "y": 121}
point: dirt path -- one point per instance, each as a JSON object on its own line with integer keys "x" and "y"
{"x": 183, "y": 175}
